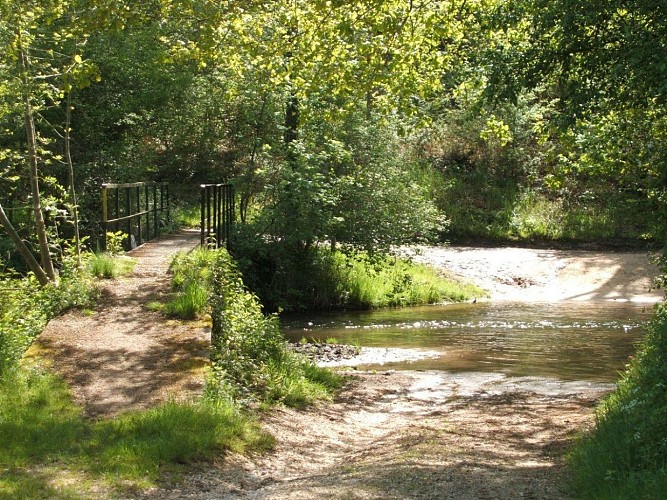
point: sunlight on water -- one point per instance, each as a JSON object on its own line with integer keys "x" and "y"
{"x": 568, "y": 340}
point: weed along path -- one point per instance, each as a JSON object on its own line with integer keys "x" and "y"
{"x": 123, "y": 356}
{"x": 388, "y": 434}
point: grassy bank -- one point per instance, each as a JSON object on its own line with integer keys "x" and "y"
{"x": 317, "y": 279}
{"x": 49, "y": 450}
{"x": 625, "y": 456}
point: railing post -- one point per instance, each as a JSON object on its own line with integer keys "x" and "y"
{"x": 202, "y": 215}
{"x": 156, "y": 220}
{"x": 217, "y": 213}
{"x": 105, "y": 213}
{"x": 139, "y": 231}
{"x": 117, "y": 214}
{"x": 166, "y": 188}
{"x": 147, "y": 209}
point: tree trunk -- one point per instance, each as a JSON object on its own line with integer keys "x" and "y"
{"x": 291, "y": 119}
{"x": 72, "y": 191}
{"x": 25, "y": 252}
{"x": 47, "y": 262}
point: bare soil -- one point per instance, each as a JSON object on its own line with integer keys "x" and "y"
{"x": 405, "y": 434}
{"x": 123, "y": 356}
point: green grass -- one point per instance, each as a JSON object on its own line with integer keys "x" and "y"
{"x": 392, "y": 282}
{"x": 42, "y": 430}
{"x": 625, "y": 456}
{"x": 191, "y": 283}
{"x": 251, "y": 362}
{"x": 104, "y": 265}
{"x": 188, "y": 303}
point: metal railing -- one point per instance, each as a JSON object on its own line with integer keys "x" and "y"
{"x": 138, "y": 209}
{"x": 217, "y": 214}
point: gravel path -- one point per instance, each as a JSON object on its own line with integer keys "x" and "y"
{"x": 124, "y": 356}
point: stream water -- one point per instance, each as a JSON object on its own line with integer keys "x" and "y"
{"x": 570, "y": 341}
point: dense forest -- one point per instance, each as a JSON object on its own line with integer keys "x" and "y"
{"x": 349, "y": 124}
{"x": 367, "y": 123}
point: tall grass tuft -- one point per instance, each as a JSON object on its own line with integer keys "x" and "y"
{"x": 105, "y": 265}
{"x": 191, "y": 283}
{"x": 190, "y": 302}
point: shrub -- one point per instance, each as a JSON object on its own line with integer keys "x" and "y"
{"x": 27, "y": 307}
{"x": 250, "y": 360}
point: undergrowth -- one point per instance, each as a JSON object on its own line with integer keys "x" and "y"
{"x": 250, "y": 359}
{"x": 625, "y": 456}
{"x": 26, "y": 308}
{"x": 50, "y": 450}
{"x": 191, "y": 283}
{"x": 315, "y": 279}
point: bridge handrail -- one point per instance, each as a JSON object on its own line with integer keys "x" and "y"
{"x": 135, "y": 209}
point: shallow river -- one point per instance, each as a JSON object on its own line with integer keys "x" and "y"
{"x": 572, "y": 341}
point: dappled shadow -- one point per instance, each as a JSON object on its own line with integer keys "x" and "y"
{"x": 611, "y": 277}
{"x": 108, "y": 380}
{"x": 124, "y": 356}
{"x": 503, "y": 446}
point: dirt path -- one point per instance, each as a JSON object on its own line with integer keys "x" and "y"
{"x": 399, "y": 435}
{"x": 124, "y": 356}
{"x": 409, "y": 434}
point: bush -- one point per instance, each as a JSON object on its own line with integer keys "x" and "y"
{"x": 626, "y": 454}
{"x": 250, "y": 360}
{"x": 26, "y": 308}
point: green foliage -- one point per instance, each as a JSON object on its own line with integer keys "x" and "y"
{"x": 250, "y": 361}
{"x": 317, "y": 279}
{"x": 115, "y": 242}
{"x": 353, "y": 183}
{"x": 188, "y": 216}
{"x": 26, "y": 308}
{"x": 391, "y": 282}
{"x": 625, "y": 456}
{"x": 106, "y": 265}
{"x": 127, "y": 451}
{"x": 191, "y": 283}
